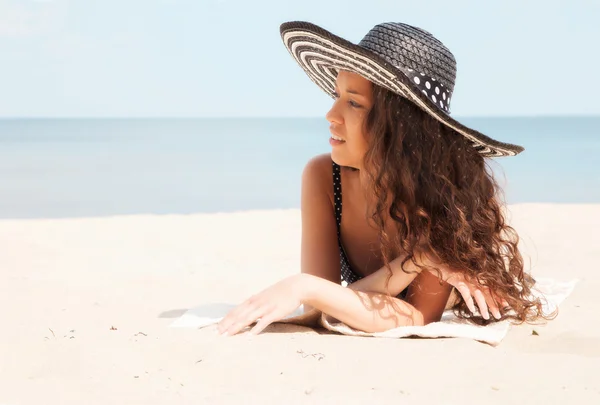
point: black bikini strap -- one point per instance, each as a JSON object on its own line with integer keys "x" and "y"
{"x": 337, "y": 195}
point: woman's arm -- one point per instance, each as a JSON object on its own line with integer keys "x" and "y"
{"x": 370, "y": 311}
{"x": 319, "y": 248}
{"x": 426, "y": 293}
{"x": 370, "y": 304}
{"x": 380, "y": 281}
{"x": 366, "y": 311}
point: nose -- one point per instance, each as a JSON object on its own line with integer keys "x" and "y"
{"x": 333, "y": 115}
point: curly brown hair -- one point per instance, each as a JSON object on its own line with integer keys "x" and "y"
{"x": 435, "y": 186}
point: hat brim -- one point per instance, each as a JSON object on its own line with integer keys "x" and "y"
{"x": 322, "y": 54}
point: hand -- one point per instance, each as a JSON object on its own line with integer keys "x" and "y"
{"x": 268, "y": 306}
{"x": 482, "y": 294}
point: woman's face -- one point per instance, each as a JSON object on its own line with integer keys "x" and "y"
{"x": 347, "y": 118}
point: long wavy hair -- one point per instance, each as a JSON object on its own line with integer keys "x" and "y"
{"x": 444, "y": 202}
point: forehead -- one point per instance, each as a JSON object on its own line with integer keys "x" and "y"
{"x": 353, "y": 80}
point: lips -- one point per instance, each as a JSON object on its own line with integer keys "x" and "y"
{"x": 335, "y": 136}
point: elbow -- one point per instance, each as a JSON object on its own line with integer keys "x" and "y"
{"x": 417, "y": 319}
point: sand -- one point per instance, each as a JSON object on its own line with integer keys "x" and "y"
{"x": 86, "y": 303}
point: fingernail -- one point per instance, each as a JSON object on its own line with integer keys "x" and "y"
{"x": 225, "y": 334}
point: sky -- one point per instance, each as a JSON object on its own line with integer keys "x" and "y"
{"x": 225, "y": 58}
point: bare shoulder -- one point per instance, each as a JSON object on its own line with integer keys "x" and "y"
{"x": 317, "y": 175}
{"x": 319, "y": 165}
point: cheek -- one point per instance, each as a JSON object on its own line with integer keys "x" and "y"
{"x": 361, "y": 146}
{"x": 359, "y": 139}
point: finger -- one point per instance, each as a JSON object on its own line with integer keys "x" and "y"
{"x": 232, "y": 317}
{"x": 227, "y": 320}
{"x": 237, "y": 313}
{"x": 246, "y": 320}
{"x": 492, "y": 303}
{"x": 480, "y": 299}
{"x": 466, "y": 294}
{"x": 264, "y": 321}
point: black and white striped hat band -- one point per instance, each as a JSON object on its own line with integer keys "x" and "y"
{"x": 404, "y": 59}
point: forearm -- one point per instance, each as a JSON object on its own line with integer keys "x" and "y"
{"x": 363, "y": 310}
{"x": 381, "y": 281}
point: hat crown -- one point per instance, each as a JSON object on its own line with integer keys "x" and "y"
{"x": 407, "y": 47}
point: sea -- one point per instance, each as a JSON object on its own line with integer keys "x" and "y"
{"x": 56, "y": 168}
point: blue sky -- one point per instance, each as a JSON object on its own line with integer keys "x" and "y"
{"x": 199, "y": 58}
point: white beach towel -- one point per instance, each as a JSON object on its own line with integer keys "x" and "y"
{"x": 551, "y": 292}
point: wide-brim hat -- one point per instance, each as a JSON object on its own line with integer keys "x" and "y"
{"x": 406, "y": 60}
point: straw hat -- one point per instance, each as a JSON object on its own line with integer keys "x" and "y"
{"x": 404, "y": 59}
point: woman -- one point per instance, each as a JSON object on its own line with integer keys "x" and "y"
{"x": 421, "y": 215}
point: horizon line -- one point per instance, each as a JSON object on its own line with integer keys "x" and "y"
{"x": 183, "y": 117}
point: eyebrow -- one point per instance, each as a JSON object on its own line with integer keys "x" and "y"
{"x": 351, "y": 91}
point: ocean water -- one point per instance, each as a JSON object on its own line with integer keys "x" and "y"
{"x": 96, "y": 167}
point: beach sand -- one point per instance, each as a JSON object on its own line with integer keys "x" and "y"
{"x": 85, "y": 306}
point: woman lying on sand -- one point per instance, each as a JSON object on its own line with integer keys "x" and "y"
{"x": 421, "y": 215}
